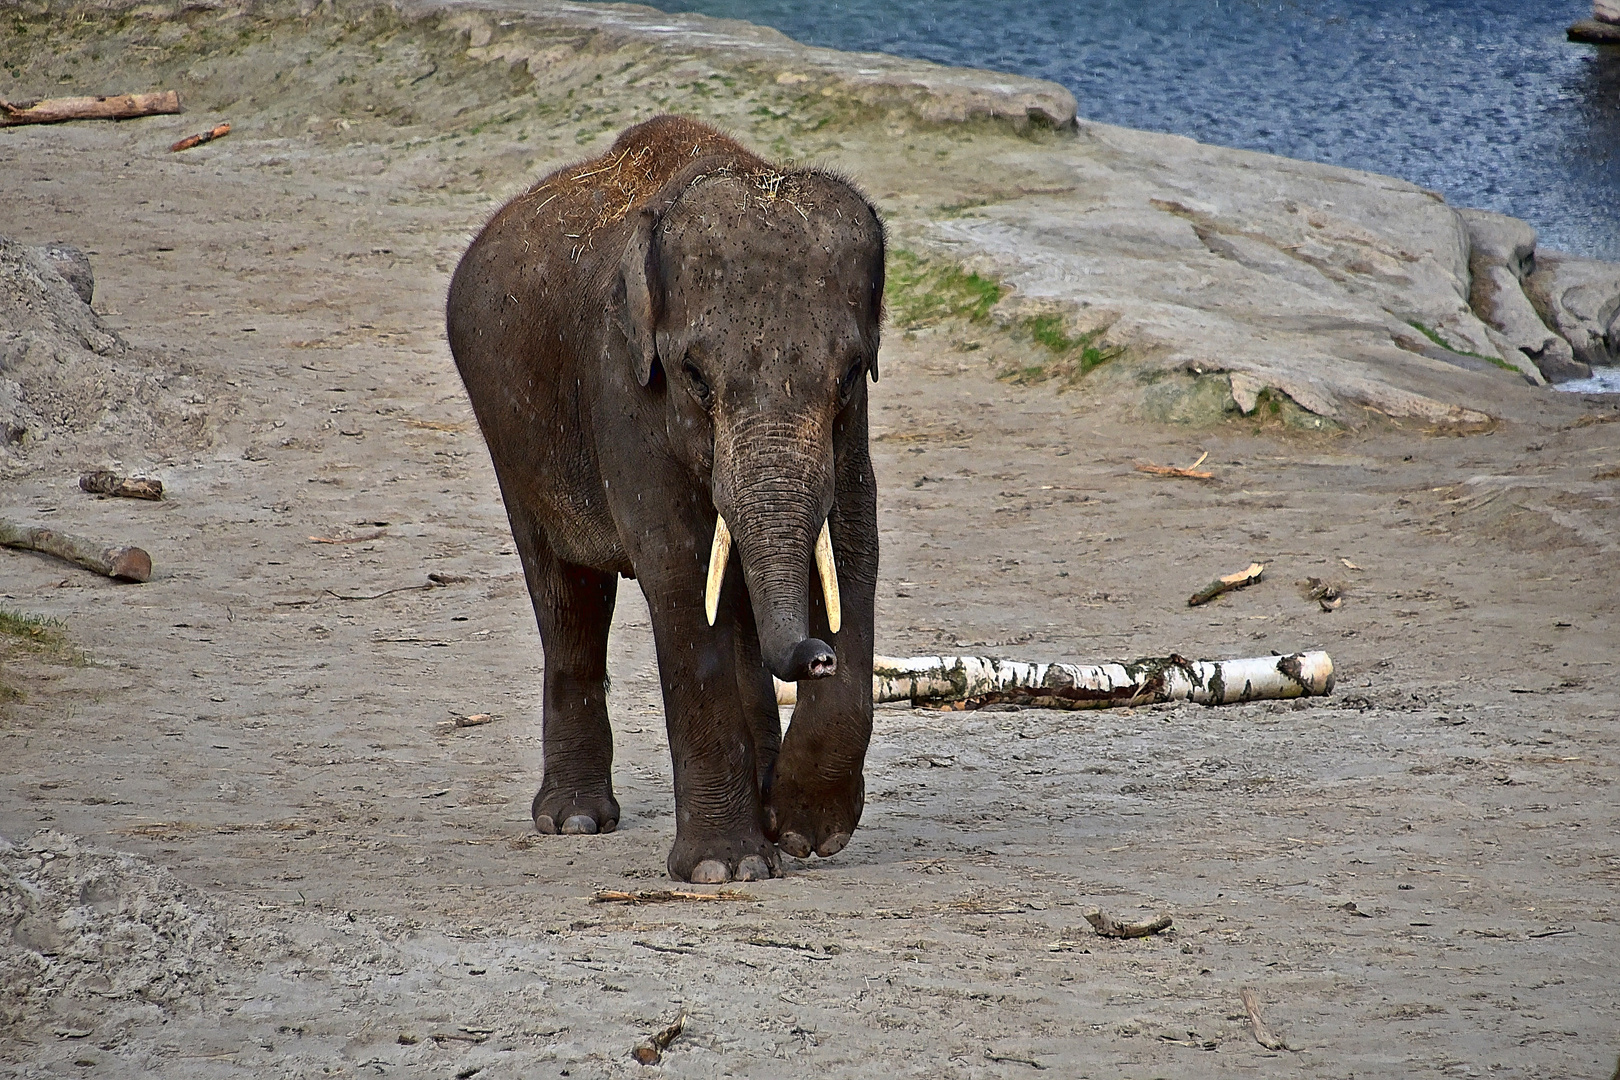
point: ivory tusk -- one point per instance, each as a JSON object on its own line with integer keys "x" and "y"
{"x": 828, "y": 570}
{"x": 719, "y": 553}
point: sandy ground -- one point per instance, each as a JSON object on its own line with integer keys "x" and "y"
{"x": 325, "y": 882}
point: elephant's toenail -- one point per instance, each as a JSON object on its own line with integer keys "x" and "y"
{"x": 609, "y": 825}
{"x": 543, "y": 823}
{"x": 710, "y": 872}
{"x": 753, "y": 868}
{"x": 833, "y": 844}
{"x": 579, "y": 825}
{"x": 794, "y": 844}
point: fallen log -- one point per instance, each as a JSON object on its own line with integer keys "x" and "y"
{"x": 972, "y": 682}
{"x": 104, "y": 482}
{"x": 107, "y": 107}
{"x": 121, "y": 562}
{"x": 1108, "y": 926}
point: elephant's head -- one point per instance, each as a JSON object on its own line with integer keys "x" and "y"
{"x": 751, "y": 302}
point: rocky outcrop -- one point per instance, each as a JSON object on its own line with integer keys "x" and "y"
{"x": 933, "y": 93}
{"x": 1579, "y": 298}
{"x": 70, "y": 385}
{"x": 1603, "y": 28}
{"x": 1341, "y": 290}
{"x": 1502, "y": 253}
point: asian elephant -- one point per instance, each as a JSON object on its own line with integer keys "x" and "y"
{"x": 666, "y": 348}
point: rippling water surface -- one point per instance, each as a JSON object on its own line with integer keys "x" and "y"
{"x": 1483, "y": 100}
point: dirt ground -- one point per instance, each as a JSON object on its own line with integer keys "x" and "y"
{"x": 264, "y": 854}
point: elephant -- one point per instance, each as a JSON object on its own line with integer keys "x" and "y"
{"x": 667, "y": 349}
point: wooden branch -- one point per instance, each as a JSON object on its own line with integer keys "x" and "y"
{"x": 1240, "y": 580}
{"x": 124, "y": 563}
{"x": 650, "y": 1051}
{"x": 103, "y": 482}
{"x": 1190, "y": 472}
{"x": 1108, "y": 926}
{"x": 972, "y": 682}
{"x": 662, "y": 896}
{"x": 218, "y": 131}
{"x": 109, "y": 107}
{"x": 1262, "y": 1034}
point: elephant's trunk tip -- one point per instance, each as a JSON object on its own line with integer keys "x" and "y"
{"x": 811, "y": 658}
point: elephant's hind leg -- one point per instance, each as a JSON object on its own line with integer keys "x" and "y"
{"x": 574, "y": 607}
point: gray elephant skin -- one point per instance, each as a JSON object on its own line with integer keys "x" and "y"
{"x": 672, "y": 335}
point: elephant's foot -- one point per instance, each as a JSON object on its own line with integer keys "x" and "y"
{"x": 713, "y": 858}
{"x": 566, "y": 809}
{"x": 815, "y": 816}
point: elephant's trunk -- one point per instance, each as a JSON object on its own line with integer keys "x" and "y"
{"x": 773, "y": 489}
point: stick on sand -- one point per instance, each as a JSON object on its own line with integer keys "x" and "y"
{"x": 109, "y": 107}
{"x": 122, "y": 562}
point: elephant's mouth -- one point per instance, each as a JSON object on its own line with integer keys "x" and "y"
{"x": 817, "y": 662}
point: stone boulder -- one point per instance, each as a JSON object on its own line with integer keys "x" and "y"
{"x": 1606, "y": 11}
{"x": 1501, "y": 255}
{"x": 1580, "y": 298}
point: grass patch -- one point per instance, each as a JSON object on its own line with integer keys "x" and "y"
{"x": 35, "y": 636}
{"x": 919, "y": 292}
{"x": 1073, "y": 357}
{"x": 1428, "y": 332}
{"x": 35, "y": 631}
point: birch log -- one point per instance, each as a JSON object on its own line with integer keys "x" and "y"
{"x": 971, "y": 682}
{"x": 109, "y": 107}
{"x": 121, "y": 562}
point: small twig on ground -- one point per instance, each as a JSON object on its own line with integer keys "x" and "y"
{"x": 1262, "y": 1034}
{"x": 1190, "y": 472}
{"x": 109, "y": 107}
{"x": 662, "y": 896}
{"x": 1013, "y": 1059}
{"x": 1108, "y": 926}
{"x": 121, "y": 562}
{"x": 650, "y": 1051}
{"x": 218, "y": 131}
{"x": 103, "y": 482}
{"x": 477, "y": 719}
{"x": 362, "y": 538}
{"x": 1240, "y": 580}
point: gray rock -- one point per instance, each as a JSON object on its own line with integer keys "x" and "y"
{"x": 1606, "y": 10}
{"x": 73, "y": 265}
{"x": 1502, "y": 254}
{"x": 1580, "y": 298}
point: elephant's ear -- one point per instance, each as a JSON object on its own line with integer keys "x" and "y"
{"x": 637, "y": 294}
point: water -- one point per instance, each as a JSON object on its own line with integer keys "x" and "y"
{"x": 1482, "y": 100}
{"x": 1604, "y": 380}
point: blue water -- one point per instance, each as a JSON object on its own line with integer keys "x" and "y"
{"x": 1482, "y": 100}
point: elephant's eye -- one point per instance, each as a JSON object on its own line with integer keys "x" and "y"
{"x": 852, "y": 378}
{"x": 694, "y": 377}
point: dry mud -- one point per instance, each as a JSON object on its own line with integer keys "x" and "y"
{"x": 243, "y": 840}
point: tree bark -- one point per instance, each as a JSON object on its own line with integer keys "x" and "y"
{"x": 972, "y": 682}
{"x": 124, "y": 563}
{"x": 110, "y": 107}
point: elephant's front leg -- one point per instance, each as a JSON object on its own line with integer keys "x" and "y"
{"x": 819, "y": 790}
{"x": 719, "y": 821}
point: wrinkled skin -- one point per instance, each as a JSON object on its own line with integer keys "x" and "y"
{"x": 675, "y": 330}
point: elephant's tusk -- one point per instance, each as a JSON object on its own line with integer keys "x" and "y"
{"x": 828, "y": 570}
{"x": 719, "y": 553}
